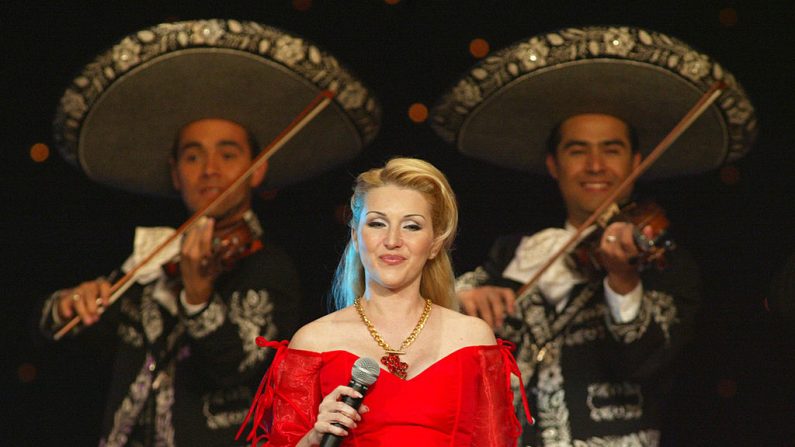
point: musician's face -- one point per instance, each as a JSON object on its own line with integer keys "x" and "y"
{"x": 211, "y": 154}
{"x": 593, "y": 157}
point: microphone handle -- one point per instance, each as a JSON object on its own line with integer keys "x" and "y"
{"x": 332, "y": 440}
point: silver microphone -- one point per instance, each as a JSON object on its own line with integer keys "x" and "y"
{"x": 363, "y": 374}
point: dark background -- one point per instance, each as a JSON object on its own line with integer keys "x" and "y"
{"x": 736, "y": 385}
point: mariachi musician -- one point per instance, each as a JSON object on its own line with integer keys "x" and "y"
{"x": 595, "y": 339}
{"x": 180, "y": 108}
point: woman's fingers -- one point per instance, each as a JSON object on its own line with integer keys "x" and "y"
{"x": 335, "y": 416}
{"x": 338, "y": 418}
{"x": 328, "y": 427}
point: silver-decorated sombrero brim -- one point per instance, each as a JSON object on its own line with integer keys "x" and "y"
{"x": 504, "y": 108}
{"x": 118, "y": 119}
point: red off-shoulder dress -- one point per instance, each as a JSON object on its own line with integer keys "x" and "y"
{"x": 464, "y": 399}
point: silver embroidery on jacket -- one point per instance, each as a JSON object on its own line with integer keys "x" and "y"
{"x": 602, "y": 395}
{"x": 128, "y": 334}
{"x": 656, "y": 306}
{"x": 643, "y": 438}
{"x": 470, "y": 280}
{"x": 129, "y": 309}
{"x": 253, "y": 315}
{"x": 125, "y": 416}
{"x": 164, "y": 401}
{"x": 553, "y": 420}
{"x": 151, "y": 318}
{"x": 209, "y": 320}
{"x": 553, "y": 414}
{"x": 214, "y": 403}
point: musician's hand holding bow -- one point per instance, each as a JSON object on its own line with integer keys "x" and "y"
{"x": 88, "y": 301}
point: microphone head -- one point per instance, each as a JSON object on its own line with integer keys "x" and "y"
{"x": 365, "y": 371}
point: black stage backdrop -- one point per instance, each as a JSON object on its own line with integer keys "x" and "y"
{"x": 58, "y": 228}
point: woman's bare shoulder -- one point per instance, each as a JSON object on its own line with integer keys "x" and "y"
{"x": 323, "y": 334}
{"x": 464, "y": 330}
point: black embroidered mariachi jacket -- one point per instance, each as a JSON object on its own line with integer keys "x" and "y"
{"x": 179, "y": 380}
{"x": 596, "y": 383}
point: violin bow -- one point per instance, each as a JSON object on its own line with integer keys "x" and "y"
{"x": 320, "y": 102}
{"x": 706, "y": 100}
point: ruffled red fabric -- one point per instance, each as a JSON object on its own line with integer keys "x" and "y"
{"x": 464, "y": 399}
{"x": 512, "y": 368}
{"x": 260, "y": 414}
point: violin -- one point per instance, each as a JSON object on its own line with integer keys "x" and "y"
{"x": 651, "y": 249}
{"x": 231, "y": 242}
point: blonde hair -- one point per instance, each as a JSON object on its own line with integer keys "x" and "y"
{"x": 437, "y": 274}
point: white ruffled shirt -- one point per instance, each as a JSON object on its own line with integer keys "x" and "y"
{"x": 146, "y": 240}
{"x": 557, "y": 281}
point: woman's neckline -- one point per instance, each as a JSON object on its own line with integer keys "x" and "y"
{"x": 447, "y": 356}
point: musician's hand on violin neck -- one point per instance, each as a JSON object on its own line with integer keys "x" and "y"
{"x": 195, "y": 255}
{"x": 617, "y": 253}
{"x": 489, "y": 303}
{"x": 87, "y": 301}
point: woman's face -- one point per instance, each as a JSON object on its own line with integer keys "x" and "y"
{"x": 394, "y": 238}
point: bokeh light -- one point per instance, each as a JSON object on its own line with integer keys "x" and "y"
{"x": 26, "y": 372}
{"x": 729, "y": 175}
{"x": 39, "y": 152}
{"x": 478, "y": 48}
{"x": 302, "y": 5}
{"x": 727, "y": 17}
{"x": 418, "y": 112}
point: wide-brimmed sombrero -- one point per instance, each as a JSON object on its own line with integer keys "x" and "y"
{"x": 118, "y": 119}
{"x": 504, "y": 108}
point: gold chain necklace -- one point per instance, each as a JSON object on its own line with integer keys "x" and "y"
{"x": 390, "y": 358}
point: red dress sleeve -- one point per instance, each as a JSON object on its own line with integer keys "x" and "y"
{"x": 497, "y": 424}
{"x": 286, "y": 404}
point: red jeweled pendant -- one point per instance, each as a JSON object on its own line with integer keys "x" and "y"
{"x": 394, "y": 365}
